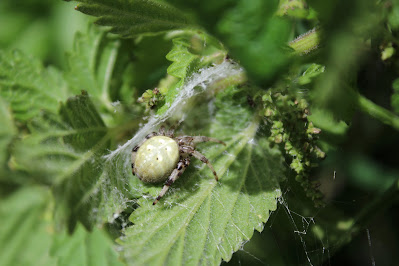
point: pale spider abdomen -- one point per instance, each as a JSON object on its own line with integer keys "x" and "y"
{"x": 156, "y": 159}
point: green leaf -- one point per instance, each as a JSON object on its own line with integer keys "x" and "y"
{"x": 256, "y": 37}
{"x": 44, "y": 154}
{"x": 78, "y": 194}
{"x": 190, "y": 53}
{"x": 26, "y": 228}
{"x": 67, "y": 153}
{"x": 58, "y": 146}
{"x": 324, "y": 120}
{"x": 184, "y": 64}
{"x": 91, "y": 64}
{"x": 249, "y": 30}
{"x": 132, "y": 17}
{"x": 393, "y": 16}
{"x": 84, "y": 248}
{"x": 80, "y": 114}
{"x": 7, "y": 133}
{"x": 181, "y": 58}
{"x": 149, "y": 64}
{"x": 28, "y": 86}
{"x": 202, "y": 221}
{"x": 313, "y": 71}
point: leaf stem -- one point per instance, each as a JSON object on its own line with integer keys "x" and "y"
{"x": 108, "y": 75}
{"x": 378, "y": 112}
{"x": 306, "y": 42}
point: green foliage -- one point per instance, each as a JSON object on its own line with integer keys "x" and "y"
{"x": 253, "y": 35}
{"x": 307, "y": 42}
{"x": 92, "y": 65}
{"x": 133, "y": 17}
{"x": 84, "y": 248}
{"x": 287, "y": 118}
{"x": 27, "y": 227}
{"x": 7, "y": 133}
{"x": 256, "y": 38}
{"x": 395, "y": 96}
{"x": 28, "y": 86}
{"x": 76, "y": 191}
{"x": 44, "y": 29}
{"x": 62, "y": 140}
{"x": 393, "y": 17}
{"x": 208, "y": 223}
{"x": 181, "y": 58}
{"x": 68, "y": 154}
{"x": 51, "y": 156}
{"x": 313, "y": 71}
{"x": 296, "y": 9}
{"x": 330, "y": 127}
{"x": 189, "y": 54}
{"x": 231, "y": 70}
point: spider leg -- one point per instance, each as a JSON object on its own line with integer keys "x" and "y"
{"x": 162, "y": 131}
{"x": 176, "y": 173}
{"x": 135, "y": 149}
{"x": 189, "y": 150}
{"x": 198, "y": 139}
{"x": 171, "y": 131}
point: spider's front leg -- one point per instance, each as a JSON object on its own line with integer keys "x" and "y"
{"x": 176, "y": 173}
{"x": 193, "y": 140}
{"x": 199, "y": 139}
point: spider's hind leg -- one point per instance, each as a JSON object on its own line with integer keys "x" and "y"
{"x": 199, "y": 156}
{"x": 176, "y": 173}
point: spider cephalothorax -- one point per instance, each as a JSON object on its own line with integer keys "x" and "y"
{"x": 161, "y": 156}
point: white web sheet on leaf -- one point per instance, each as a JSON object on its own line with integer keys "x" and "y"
{"x": 195, "y": 85}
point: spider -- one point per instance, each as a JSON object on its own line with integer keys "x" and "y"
{"x": 161, "y": 156}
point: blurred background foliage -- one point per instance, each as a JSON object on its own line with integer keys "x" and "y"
{"x": 359, "y": 48}
{"x": 44, "y": 29}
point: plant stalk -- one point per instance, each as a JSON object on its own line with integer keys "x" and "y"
{"x": 378, "y": 112}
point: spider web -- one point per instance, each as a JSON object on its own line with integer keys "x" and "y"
{"x": 118, "y": 168}
{"x": 117, "y": 172}
{"x": 194, "y": 86}
{"x": 307, "y": 238}
{"x": 300, "y": 237}
{"x": 199, "y": 197}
